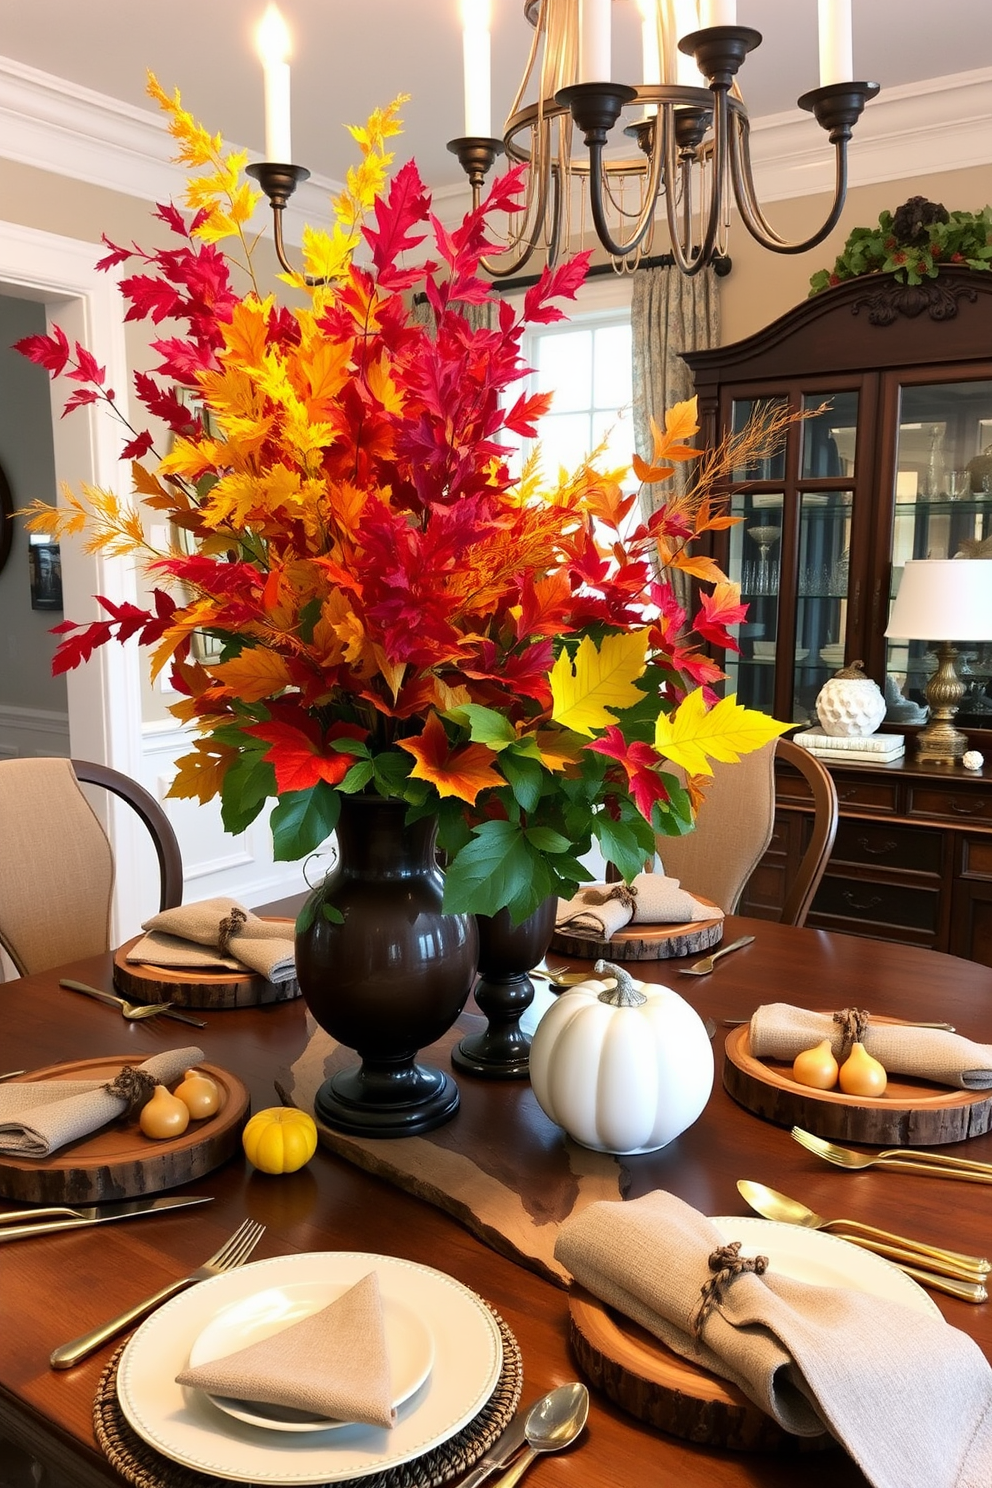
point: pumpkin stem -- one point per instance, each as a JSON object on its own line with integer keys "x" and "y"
{"x": 624, "y": 994}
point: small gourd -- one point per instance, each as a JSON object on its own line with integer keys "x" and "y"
{"x": 816, "y": 1067}
{"x": 163, "y": 1116}
{"x": 199, "y": 1094}
{"x": 850, "y": 705}
{"x": 280, "y": 1139}
{"x": 623, "y": 1066}
{"x": 861, "y": 1074}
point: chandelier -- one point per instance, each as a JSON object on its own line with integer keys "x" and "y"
{"x": 688, "y": 159}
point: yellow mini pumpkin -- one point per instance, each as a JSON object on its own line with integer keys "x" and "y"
{"x": 280, "y": 1139}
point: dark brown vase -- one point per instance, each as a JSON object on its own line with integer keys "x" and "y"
{"x": 391, "y": 976}
{"x": 504, "y": 991}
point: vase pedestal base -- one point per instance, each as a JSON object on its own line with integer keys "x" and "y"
{"x": 387, "y": 1100}
{"x": 502, "y": 1052}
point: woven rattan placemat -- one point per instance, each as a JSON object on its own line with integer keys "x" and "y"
{"x": 144, "y": 1467}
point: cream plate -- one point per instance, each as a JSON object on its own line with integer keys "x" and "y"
{"x": 408, "y": 1343}
{"x": 184, "y": 1426}
{"x": 824, "y": 1260}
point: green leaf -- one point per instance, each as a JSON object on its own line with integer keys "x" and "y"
{"x": 334, "y": 915}
{"x": 486, "y": 725}
{"x": 546, "y": 840}
{"x": 526, "y": 778}
{"x": 247, "y": 785}
{"x": 350, "y": 746}
{"x": 302, "y": 820}
{"x": 357, "y": 778}
{"x": 490, "y": 871}
{"x": 307, "y": 915}
{"x": 620, "y": 845}
{"x": 392, "y": 771}
{"x": 309, "y": 615}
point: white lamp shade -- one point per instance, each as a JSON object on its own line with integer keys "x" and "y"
{"x": 943, "y": 599}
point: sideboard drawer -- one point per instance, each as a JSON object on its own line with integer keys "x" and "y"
{"x": 871, "y": 795}
{"x": 915, "y": 848}
{"x": 878, "y": 903}
{"x": 950, "y": 804}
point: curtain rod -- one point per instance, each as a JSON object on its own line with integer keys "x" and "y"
{"x": 722, "y": 265}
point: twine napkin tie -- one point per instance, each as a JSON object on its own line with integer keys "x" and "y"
{"x": 217, "y": 934}
{"x": 37, "y": 1117}
{"x": 780, "y": 1031}
{"x": 909, "y": 1397}
{"x": 332, "y": 1364}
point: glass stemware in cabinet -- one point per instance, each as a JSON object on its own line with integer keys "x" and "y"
{"x": 765, "y": 575}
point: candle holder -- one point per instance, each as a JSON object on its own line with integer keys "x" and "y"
{"x": 504, "y": 991}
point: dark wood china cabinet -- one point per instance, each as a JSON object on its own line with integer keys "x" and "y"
{"x": 896, "y": 464}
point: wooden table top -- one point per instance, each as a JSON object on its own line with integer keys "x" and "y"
{"x": 54, "y": 1288}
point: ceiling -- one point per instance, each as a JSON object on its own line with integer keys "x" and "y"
{"x": 349, "y": 58}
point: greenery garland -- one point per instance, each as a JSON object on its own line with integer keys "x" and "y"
{"x": 913, "y": 244}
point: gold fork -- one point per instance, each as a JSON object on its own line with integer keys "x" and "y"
{"x": 705, "y": 966}
{"x": 935, "y": 1163}
{"x": 230, "y": 1255}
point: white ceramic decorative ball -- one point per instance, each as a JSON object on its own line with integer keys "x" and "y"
{"x": 973, "y": 760}
{"x": 850, "y": 706}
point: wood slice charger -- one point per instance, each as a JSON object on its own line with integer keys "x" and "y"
{"x": 911, "y": 1113}
{"x": 637, "y": 1372}
{"x": 119, "y": 1161}
{"x": 644, "y": 942}
{"x": 187, "y": 987}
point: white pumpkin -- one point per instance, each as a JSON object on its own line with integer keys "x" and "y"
{"x": 623, "y": 1066}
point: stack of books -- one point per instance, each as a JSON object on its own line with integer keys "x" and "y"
{"x": 879, "y": 749}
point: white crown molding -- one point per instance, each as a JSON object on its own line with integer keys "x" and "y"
{"x": 914, "y": 130}
{"x": 58, "y": 126}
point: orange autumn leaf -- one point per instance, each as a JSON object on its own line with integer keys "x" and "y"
{"x": 256, "y": 674}
{"x": 681, "y": 423}
{"x": 651, "y": 473}
{"x": 699, "y": 566}
{"x": 200, "y": 774}
{"x": 462, "y": 772}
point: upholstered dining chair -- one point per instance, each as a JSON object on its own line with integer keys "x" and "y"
{"x": 734, "y": 827}
{"x": 56, "y": 865}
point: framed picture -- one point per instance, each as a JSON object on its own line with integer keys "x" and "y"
{"x": 46, "y": 575}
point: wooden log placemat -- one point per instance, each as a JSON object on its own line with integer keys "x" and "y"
{"x": 141, "y": 1465}
{"x": 188, "y": 988}
{"x": 637, "y": 1372}
{"x": 911, "y": 1113}
{"x": 119, "y": 1161}
{"x": 643, "y": 942}
{"x": 515, "y": 1208}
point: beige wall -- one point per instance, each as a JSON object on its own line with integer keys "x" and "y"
{"x": 764, "y": 285}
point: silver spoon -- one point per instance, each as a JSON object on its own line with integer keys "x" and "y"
{"x": 551, "y": 1424}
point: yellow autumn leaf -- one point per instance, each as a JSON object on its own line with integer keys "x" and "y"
{"x": 201, "y": 774}
{"x": 590, "y": 690}
{"x": 256, "y": 674}
{"x": 693, "y": 734}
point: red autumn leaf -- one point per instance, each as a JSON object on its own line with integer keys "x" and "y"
{"x": 50, "y": 352}
{"x": 462, "y": 772}
{"x": 89, "y": 369}
{"x": 295, "y": 755}
{"x": 80, "y": 397}
{"x": 406, "y": 204}
{"x": 138, "y": 447}
{"x": 162, "y": 403}
{"x": 149, "y": 297}
{"x": 172, "y": 217}
{"x": 717, "y": 610}
{"x": 117, "y": 255}
{"x": 184, "y": 359}
{"x": 522, "y": 417}
{"x": 561, "y": 282}
{"x": 640, "y": 761}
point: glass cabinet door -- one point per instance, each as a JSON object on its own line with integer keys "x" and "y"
{"x": 790, "y": 553}
{"x": 942, "y": 509}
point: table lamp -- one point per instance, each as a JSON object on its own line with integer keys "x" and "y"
{"x": 943, "y": 600}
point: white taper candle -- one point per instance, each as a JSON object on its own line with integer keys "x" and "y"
{"x": 836, "y": 41}
{"x": 476, "y": 58}
{"x": 594, "y": 41}
{"x": 718, "y": 13}
{"x": 273, "y": 48}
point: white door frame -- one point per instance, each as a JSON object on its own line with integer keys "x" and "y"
{"x": 104, "y": 695}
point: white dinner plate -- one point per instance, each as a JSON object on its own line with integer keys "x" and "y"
{"x": 186, "y": 1427}
{"x": 824, "y": 1260}
{"x": 409, "y": 1345}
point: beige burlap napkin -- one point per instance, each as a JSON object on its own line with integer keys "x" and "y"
{"x": 780, "y": 1031}
{"x": 909, "y": 1397}
{"x": 332, "y": 1364}
{"x": 601, "y": 909}
{"x": 217, "y": 934}
{"x": 38, "y": 1117}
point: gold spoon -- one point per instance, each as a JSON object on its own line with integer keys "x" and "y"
{"x": 771, "y": 1204}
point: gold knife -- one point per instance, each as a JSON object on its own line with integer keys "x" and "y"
{"x": 11, "y": 1229}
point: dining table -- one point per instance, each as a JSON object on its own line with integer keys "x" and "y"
{"x": 57, "y": 1286}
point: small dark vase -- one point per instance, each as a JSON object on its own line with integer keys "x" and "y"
{"x": 391, "y": 977}
{"x": 504, "y": 991}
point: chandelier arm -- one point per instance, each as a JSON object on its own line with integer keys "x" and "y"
{"x": 750, "y": 209}
{"x": 534, "y": 215}
{"x": 681, "y": 243}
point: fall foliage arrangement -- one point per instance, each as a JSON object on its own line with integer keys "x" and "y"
{"x": 390, "y": 610}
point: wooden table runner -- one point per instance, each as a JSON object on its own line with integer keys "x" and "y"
{"x": 515, "y": 1210}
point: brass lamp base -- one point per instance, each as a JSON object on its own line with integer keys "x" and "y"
{"x": 940, "y": 743}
